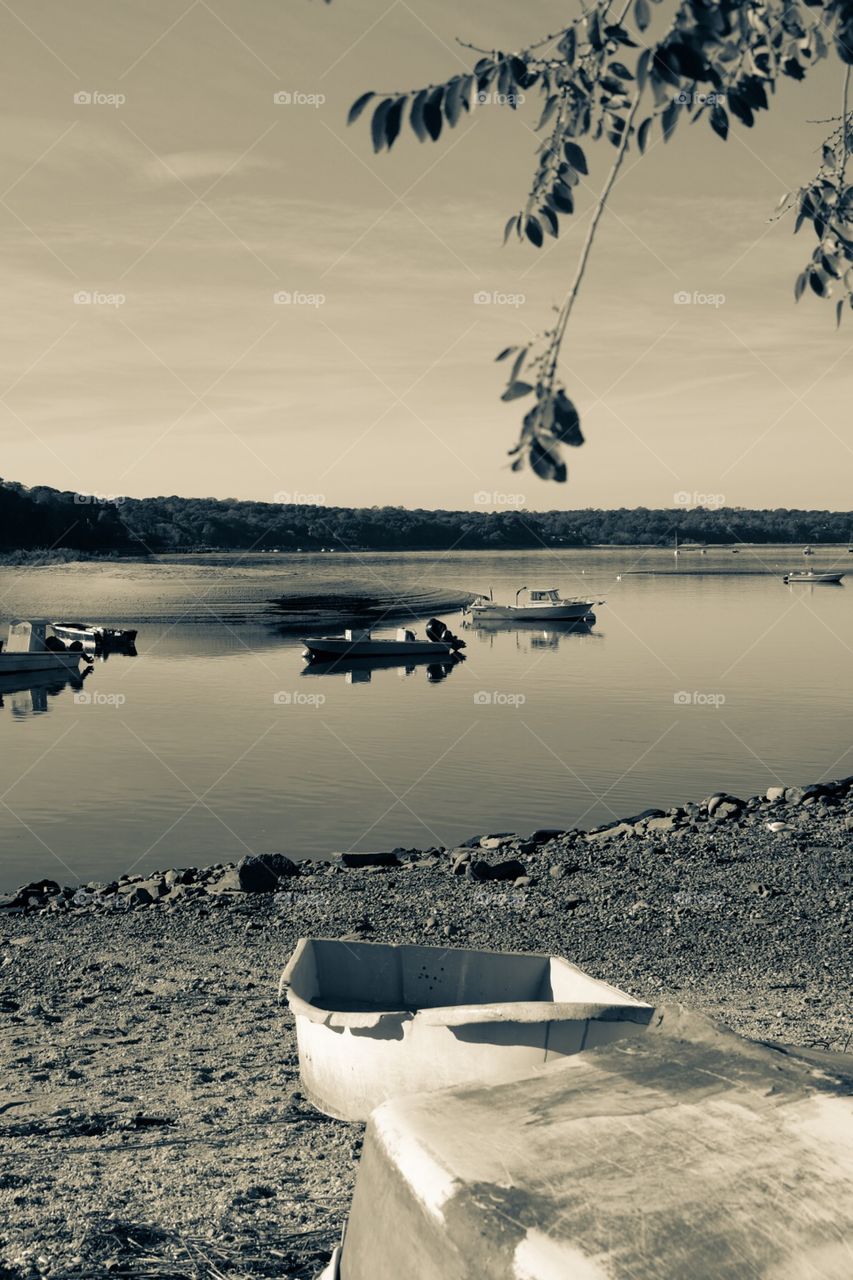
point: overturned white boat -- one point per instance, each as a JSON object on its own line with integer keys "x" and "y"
{"x": 439, "y": 643}
{"x": 28, "y": 649}
{"x": 541, "y": 605}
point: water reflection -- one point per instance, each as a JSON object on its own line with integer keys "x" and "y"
{"x": 26, "y": 693}
{"x": 532, "y": 635}
{"x": 360, "y": 670}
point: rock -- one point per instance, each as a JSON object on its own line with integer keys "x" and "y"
{"x": 261, "y": 874}
{"x": 611, "y": 832}
{"x": 713, "y": 802}
{"x": 495, "y": 842}
{"x": 774, "y": 793}
{"x": 463, "y": 857}
{"x": 726, "y": 809}
{"x": 522, "y": 882}
{"x": 481, "y": 870}
{"x": 645, "y": 816}
{"x": 662, "y": 823}
{"x": 139, "y": 897}
{"x": 544, "y": 834}
{"x": 355, "y": 860}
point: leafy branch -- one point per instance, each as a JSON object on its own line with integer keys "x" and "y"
{"x": 715, "y": 60}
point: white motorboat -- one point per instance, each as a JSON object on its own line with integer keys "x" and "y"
{"x": 812, "y": 575}
{"x": 93, "y": 635}
{"x": 439, "y": 643}
{"x": 541, "y": 606}
{"x": 27, "y": 649}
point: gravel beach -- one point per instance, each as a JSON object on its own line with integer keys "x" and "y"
{"x": 151, "y": 1117}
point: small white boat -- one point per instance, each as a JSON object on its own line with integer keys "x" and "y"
{"x": 27, "y": 649}
{"x": 362, "y": 644}
{"x": 547, "y": 606}
{"x": 812, "y": 575}
{"x": 92, "y": 635}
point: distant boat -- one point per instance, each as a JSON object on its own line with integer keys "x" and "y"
{"x": 93, "y": 635}
{"x": 28, "y": 649}
{"x": 541, "y": 606}
{"x": 675, "y": 552}
{"x": 439, "y": 643}
{"x": 807, "y": 551}
{"x": 812, "y": 575}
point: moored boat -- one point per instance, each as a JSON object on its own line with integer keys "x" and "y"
{"x": 542, "y": 605}
{"x": 94, "y": 635}
{"x": 439, "y": 643}
{"x": 28, "y": 649}
{"x": 812, "y": 575}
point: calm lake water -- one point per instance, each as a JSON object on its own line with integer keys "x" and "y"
{"x": 214, "y": 741}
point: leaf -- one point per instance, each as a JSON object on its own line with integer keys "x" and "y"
{"x": 566, "y": 426}
{"x": 619, "y": 69}
{"x": 533, "y": 231}
{"x": 720, "y": 121}
{"x": 562, "y": 197}
{"x": 839, "y": 307}
{"x": 503, "y": 355}
{"x": 643, "y": 134}
{"x": 516, "y": 390}
{"x": 511, "y": 225}
{"x": 800, "y": 285}
{"x": 416, "y": 116}
{"x": 377, "y": 124}
{"x": 643, "y": 66}
{"x": 576, "y": 157}
{"x": 453, "y": 100}
{"x": 552, "y": 223}
{"x": 817, "y": 282}
{"x": 568, "y": 45}
{"x": 548, "y": 110}
{"x": 669, "y": 120}
{"x": 432, "y": 113}
{"x": 546, "y": 463}
{"x": 393, "y": 120}
{"x": 517, "y": 365}
{"x": 358, "y": 106}
{"x": 642, "y": 14}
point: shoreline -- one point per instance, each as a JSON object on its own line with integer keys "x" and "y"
{"x": 152, "y": 1115}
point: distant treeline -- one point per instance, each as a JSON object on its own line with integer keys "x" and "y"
{"x": 50, "y": 518}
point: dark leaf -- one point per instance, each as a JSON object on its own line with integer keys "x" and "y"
{"x": 576, "y": 157}
{"x": 453, "y": 100}
{"x": 432, "y": 113}
{"x": 512, "y": 224}
{"x": 619, "y": 69}
{"x": 416, "y": 116}
{"x": 562, "y": 198}
{"x": 533, "y": 231}
{"x": 503, "y": 355}
{"x": 568, "y": 45}
{"x": 551, "y": 221}
{"x": 839, "y": 307}
{"x": 669, "y": 120}
{"x": 793, "y": 69}
{"x": 546, "y": 463}
{"x": 720, "y": 121}
{"x": 516, "y": 390}
{"x": 566, "y": 426}
{"x": 642, "y": 14}
{"x": 817, "y": 282}
{"x": 741, "y": 108}
{"x": 800, "y": 285}
{"x": 377, "y": 124}
{"x": 358, "y": 106}
{"x": 643, "y": 134}
{"x": 393, "y": 120}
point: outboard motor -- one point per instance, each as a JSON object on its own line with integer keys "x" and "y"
{"x": 436, "y": 631}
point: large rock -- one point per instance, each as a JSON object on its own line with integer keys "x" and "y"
{"x": 261, "y": 874}
{"x": 616, "y": 830}
{"x": 480, "y": 870}
{"x": 774, "y": 793}
{"x": 369, "y": 860}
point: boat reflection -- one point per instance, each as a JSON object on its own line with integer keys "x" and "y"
{"x": 27, "y": 693}
{"x": 533, "y": 635}
{"x": 360, "y": 670}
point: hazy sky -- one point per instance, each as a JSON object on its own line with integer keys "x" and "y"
{"x": 198, "y": 198}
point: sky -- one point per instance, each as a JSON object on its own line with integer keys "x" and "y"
{"x": 181, "y": 199}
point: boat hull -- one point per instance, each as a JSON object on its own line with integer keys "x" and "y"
{"x": 338, "y": 646}
{"x": 531, "y": 613}
{"x": 813, "y": 577}
{"x": 12, "y": 663}
{"x": 94, "y": 637}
